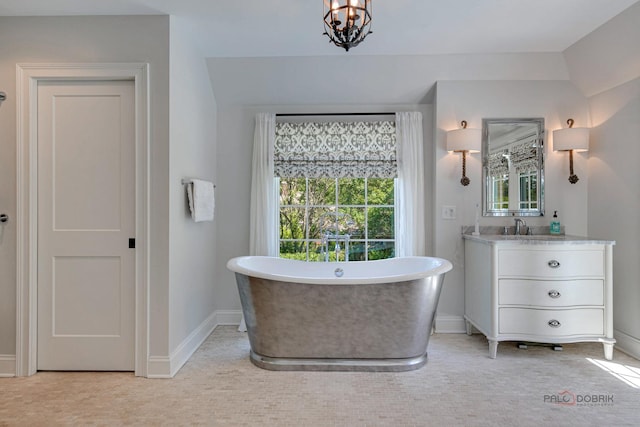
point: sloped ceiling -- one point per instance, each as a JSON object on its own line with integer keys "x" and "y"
{"x": 249, "y": 28}
{"x": 273, "y": 52}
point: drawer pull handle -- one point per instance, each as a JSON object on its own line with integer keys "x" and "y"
{"x": 554, "y": 323}
{"x": 553, "y": 263}
{"x": 554, "y": 294}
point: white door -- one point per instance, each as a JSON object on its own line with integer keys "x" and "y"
{"x": 86, "y": 216}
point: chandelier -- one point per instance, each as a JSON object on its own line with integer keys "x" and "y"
{"x": 347, "y": 22}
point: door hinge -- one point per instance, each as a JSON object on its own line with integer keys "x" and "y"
{"x": 132, "y": 243}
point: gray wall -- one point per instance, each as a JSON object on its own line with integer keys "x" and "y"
{"x": 366, "y": 80}
{"x": 192, "y": 250}
{"x": 555, "y": 101}
{"x": 552, "y": 86}
{"x": 186, "y": 131}
{"x": 244, "y": 86}
{"x": 608, "y": 56}
{"x": 614, "y": 199}
{"x": 606, "y": 66}
{"x": 235, "y": 128}
{"x": 87, "y": 39}
{"x": 183, "y": 144}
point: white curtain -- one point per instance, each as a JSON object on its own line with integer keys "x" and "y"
{"x": 410, "y": 227}
{"x": 263, "y": 231}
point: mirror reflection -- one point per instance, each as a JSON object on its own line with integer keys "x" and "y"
{"x": 513, "y": 167}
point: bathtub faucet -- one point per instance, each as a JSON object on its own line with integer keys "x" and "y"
{"x": 338, "y": 238}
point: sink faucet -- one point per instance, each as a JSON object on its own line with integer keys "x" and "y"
{"x": 519, "y": 222}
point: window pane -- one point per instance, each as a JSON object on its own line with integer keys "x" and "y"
{"x": 321, "y": 220}
{"x": 380, "y": 191}
{"x": 351, "y": 221}
{"x": 322, "y": 191}
{"x": 316, "y": 251}
{"x": 500, "y": 196}
{"x": 524, "y": 189}
{"x": 292, "y": 191}
{"x": 381, "y": 250}
{"x": 504, "y": 199}
{"x": 381, "y": 223}
{"x": 308, "y": 212}
{"x": 351, "y": 191}
{"x": 357, "y": 251}
{"x": 534, "y": 190}
{"x": 293, "y": 250}
{"x": 292, "y": 223}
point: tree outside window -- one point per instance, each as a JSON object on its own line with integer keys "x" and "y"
{"x": 363, "y": 208}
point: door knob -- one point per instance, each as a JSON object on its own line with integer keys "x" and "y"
{"x": 4, "y": 218}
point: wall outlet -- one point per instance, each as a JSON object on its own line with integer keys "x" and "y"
{"x": 448, "y": 212}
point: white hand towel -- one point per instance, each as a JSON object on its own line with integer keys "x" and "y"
{"x": 201, "y": 200}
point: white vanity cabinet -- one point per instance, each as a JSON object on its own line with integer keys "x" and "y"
{"x": 534, "y": 290}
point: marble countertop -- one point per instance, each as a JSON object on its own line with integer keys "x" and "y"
{"x": 562, "y": 239}
{"x": 540, "y": 236}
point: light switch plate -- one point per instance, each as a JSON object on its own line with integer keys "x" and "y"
{"x": 448, "y": 212}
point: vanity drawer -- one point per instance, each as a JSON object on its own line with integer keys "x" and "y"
{"x": 551, "y": 323}
{"x": 550, "y": 263}
{"x": 551, "y": 293}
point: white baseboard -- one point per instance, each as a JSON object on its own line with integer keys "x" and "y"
{"x": 159, "y": 367}
{"x": 7, "y": 365}
{"x": 627, "y": 344}
{"x": 450, "y": 324}
{"x": 167, "y": 367}
{"x": 228, "y": 317}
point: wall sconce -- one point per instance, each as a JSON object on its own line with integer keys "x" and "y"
{"x": 571, "y": 139}
{"x": 464, "y": 141}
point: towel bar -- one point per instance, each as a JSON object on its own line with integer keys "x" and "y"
{"x": 189, "y": 181}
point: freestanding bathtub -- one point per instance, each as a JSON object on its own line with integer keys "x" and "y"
{"x": 339, "y": 316}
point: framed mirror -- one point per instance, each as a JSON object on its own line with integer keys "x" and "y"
{"x": 513, "y": 167}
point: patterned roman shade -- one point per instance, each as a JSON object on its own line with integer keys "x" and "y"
{"x": 336, "y": 150}
{"x": 498, "y": 164}
{"x": 523, "y": 158}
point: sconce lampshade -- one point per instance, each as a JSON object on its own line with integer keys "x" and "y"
{"x": 464, "y": 140}
{"x": 571, "y": 139}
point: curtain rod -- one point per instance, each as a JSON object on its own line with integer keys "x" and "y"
{"x": 332, "y": 114}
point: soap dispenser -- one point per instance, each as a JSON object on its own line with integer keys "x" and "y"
{"x": 554, "y": 227}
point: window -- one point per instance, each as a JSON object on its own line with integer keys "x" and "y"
{"x": 499, "y": 197}
{"x": 529, "y": 190}
{"x": 337, "y": 190}
{"x": 360, "y": 208}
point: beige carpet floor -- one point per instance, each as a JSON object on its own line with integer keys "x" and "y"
{"x": 459, "y": 385}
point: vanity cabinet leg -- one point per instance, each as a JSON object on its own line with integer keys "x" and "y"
{"x": 608, "y": 351}
{"x": 493, "y": 349}
{"x": 468, "y": 327}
